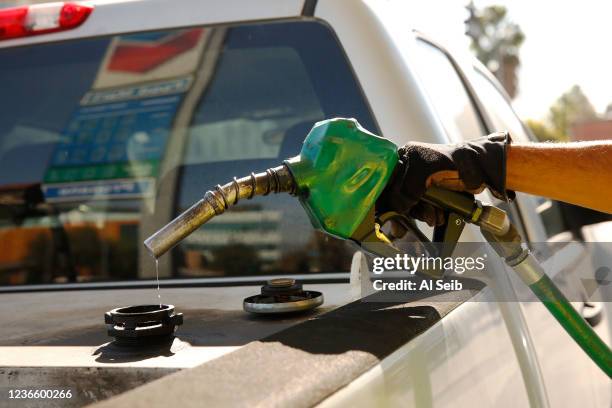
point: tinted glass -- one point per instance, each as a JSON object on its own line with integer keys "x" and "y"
{"x": 102, "y": 141}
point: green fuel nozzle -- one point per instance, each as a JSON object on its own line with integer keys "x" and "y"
{"x": 338, "y": 175}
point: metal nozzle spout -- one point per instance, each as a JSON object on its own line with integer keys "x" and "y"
{"x": 215, "y": 202}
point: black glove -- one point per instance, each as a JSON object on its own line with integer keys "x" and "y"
{"x": 469, "y": 166}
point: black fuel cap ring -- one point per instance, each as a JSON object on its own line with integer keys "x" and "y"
{"x": 142, "y": 324}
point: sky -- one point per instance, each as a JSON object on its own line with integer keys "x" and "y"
{"x": 567, "y": 43}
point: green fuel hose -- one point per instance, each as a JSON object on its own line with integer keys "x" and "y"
{"x": 509, "y": 247}
{"x": 558, "y": 305}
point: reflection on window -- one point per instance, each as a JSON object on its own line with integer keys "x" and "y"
{"x": 447, "y": 93}
{"x": 107, "y": 139}
{"x": 236, "y": 120}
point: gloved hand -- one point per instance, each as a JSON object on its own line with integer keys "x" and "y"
{"x": 469, "y": 166}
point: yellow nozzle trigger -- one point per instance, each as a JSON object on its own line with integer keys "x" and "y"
{"x": 372, "y": 239}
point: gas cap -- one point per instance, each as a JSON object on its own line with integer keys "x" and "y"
{"x": 282, "y": 295}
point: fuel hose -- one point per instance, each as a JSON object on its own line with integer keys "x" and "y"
{"x": 558, "y": 305}
{"x": 528, "y": 268}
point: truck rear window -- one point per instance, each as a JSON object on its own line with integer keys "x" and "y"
{"x": 104, "y": 140}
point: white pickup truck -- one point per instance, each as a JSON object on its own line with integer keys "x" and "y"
{"x": 116, "y": 115}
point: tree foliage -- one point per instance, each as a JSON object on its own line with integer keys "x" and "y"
{"x": 572, "y": 107}
{"x": 496, "y": 40}
{"x": 544, "y": 133}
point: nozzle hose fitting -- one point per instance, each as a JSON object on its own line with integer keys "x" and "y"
{"x": 215, "y": 202}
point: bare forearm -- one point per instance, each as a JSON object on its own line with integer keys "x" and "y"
{"x": 579, "y": 173}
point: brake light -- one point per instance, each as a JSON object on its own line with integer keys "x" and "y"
{"x": 41, "y": 19}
